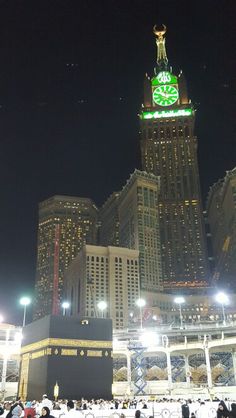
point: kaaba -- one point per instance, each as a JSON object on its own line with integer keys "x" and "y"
{"x": 70, "y": 355}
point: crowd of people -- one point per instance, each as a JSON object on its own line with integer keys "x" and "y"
{"x": 75, "y": 409}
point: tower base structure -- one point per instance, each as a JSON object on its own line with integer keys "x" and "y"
{"x": 67, "y": 358}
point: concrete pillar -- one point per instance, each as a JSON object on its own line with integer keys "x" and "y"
{"x": 4, "y": 368}
{"x": 234, "y": 363}
{"x": 169, "y": 373}
{"x": 129, "y": 379}
{"x": 187, "y": 370}
{"x": 208, "y": 366}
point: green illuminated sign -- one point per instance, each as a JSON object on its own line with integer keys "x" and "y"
{"x": 166, "y": 114}
{"x": 164, "y": 77}
{"x": 165, "y": 95}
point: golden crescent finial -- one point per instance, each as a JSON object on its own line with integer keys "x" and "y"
{"x": 159, "y": 33}
{"x": 162, "y": 59}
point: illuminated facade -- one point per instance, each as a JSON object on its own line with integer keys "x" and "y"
{"x": 65, "y": 225}
{"x": 169, "y": 150}
{"x": 197, "y": 310}
{"x": 139, "y": 226}
{"x": 109, "y": 274}
{"x": 10, "y": 343}
{"x": 131, "y": 218}
{"x": 194, "y": 363}
{"x": 221, "y": 214}
{"x": 109, "y": 231}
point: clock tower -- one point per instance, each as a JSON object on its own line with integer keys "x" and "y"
{"x": 169, "y": 150}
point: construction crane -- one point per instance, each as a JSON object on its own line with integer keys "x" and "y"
{"x": 55, "y": 296}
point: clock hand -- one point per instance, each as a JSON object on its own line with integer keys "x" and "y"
{"x": 163, "y": 94}
{"x": 168, "y": 95}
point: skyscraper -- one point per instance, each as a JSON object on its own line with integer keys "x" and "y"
{"x": 109, "y": 228}
{"x": 139, "y": 226}
{"x": 66, "y": 223}
{"x": 131, "y": 218}
{"x": 221, "y": 214}
{"x": 169, "y": 150}
{"x": 109, "y": 274}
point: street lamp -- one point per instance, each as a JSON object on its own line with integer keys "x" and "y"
{"x": 131, "y": 316}
{"x": 65, "y": 306}
{"x": 179, "y": 300}
{"x": 141, "y": 303}
{"x": 223, "y": 299}
{"x": 1, "y": 319}
{"x": 25, "y": 301}
{"x": 102, "y": 305}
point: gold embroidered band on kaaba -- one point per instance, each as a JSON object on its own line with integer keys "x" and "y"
{"x": 82, "y": 349}
{"x": 62, "y": 343}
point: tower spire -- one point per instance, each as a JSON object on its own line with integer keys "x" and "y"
{"x": 162, "y": 60}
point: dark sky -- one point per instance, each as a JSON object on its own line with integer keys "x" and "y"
{"x": 71, "y": 77}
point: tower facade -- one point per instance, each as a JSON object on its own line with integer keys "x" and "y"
{"x": 109, "y": 224}
{"x": 65, "y": 224}
{"x": 108, "y": 274}
{"x": 169, "y": 150}
{"x": 139, "y": 226}
{"x": 130, "y": 219}
{"x": 221, "y": 214}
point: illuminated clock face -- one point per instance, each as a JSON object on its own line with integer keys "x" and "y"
{"x": 165, "y": 95}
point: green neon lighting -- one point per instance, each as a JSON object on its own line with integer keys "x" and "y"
{"x": 158, "y": 114}
{"x": 164, "y": 77}
{"x": 165, "y": 95}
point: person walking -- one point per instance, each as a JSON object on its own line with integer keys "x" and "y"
{"x": 137, "y": 413}
{"x": 46, "y": 402}
{"x": 202, "y": 411}
{"x": 185, "y": 410}
{"x": 46, "y": 413}
{"x": 71, "y": 412}
{"x": 232, "y": 413}
{"x": 222, "y": 411}
{"x": 29, "y": 411}
{"x": 16, "y": 411}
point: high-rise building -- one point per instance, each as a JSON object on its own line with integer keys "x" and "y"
{"x": 104, "y": 274}
{"x": 221, "y": 214}
{"x": 131, "y": 218}
{"x": 169, "y": 150}
{"x": 66, "y": 223}
{"x": 139, "y": 226}
{"x": 109, "y": 230}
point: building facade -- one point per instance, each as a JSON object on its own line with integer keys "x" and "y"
{"x": 130, "y": 218}
{"x": 221, "y": 214}
{"x": 109, "y": 274}
{"x": 10, "y": 343}
{"x": 169, "y": 150}
{"x": 65, "y": 224}
{"x": 194, "y": 363}
{"x": 197, "y": 309}
{"x": 139, "y": 226}
{"x": 109, "y": 228}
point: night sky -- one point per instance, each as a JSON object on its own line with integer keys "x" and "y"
{"x": 71, "y": 79}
